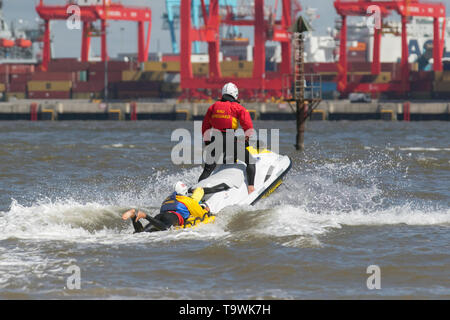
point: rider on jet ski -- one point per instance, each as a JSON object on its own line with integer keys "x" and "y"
{"x": 177, "y": 208}
{"x": 223, "y": 115}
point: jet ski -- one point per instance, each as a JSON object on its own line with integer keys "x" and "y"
{"x": 227, "y": 184}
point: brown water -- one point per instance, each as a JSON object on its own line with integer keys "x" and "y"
{"x": 363, "y": 193}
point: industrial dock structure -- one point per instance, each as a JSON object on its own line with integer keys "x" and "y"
{"x": 178, "y": 85}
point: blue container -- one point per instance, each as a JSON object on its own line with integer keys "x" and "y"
{"x": 329, "y": 86}
{"x": 326, "y": 86}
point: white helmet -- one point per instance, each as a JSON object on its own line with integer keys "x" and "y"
{"x": 181, "y": 188}
{"x": 231, "y": 89}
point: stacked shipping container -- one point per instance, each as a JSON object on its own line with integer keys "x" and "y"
{"x": 14, "y": 78}
{"x": 70, "y": 78}
{"x": 441, "y": 84}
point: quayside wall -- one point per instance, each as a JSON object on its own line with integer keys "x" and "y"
{"x": 172, "y": 110}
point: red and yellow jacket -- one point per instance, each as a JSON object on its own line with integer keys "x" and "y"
{"x": 223, "y": 115}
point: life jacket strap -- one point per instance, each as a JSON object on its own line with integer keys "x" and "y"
{"x": 180, "y": 218}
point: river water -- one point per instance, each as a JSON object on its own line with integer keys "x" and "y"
{"x": 362, "y": 194}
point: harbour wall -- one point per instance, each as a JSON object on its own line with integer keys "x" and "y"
{"x": 172, "y": 110}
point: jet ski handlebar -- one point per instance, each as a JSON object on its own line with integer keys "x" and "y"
{"x": 209, "y": 190}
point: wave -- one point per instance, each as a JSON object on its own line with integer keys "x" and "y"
{"x": 423, "y": 149}
{"x": 316, "y": 197}
{"x": 417, "y": 149}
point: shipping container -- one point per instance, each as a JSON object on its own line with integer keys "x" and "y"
{"x": 355, "y": 78}
{"x": 421, "y": 85}
{"x": 129, "y": 95}
{"x": 64, "y": 60}
{"x": 171, "y": 57}
{"x": 446, "y": 76}
{"x": 4, "y": 77}
{"x": 359, "y": 66}
{"x": 138, "y": 85}
{"x": 200, "y": 69}
{"x": 231, "y": 58}
{"x": 96, "y": 76}
{"x": 143, "y": 76}
{"x": 83, "y": 95}
{"x": 229, "y": 74}
{"x": 88, "y": 86}
{"x": 421, "y": 95}
{"x": 113, "y": 76}
{"x": 16, "y": 68}
{"x": 53, "y": 76}
{"x": 236, "y": 66}
{"x": 15, "y": 95}
{"x": 438, "y": 75}
{"x": 440, "y": 86}
{"x": 169, "y": 66}
{"x": 328, "y": 76}
{"x": 322, "y": 67}
{"x": 82, "y": 76}
{"x": 67, "y": 65}
{"x": 19, "y": 78}
{"x": 153, "y": 76}
{"x": 396, "y": 67}
{"x": 131, "y": 75}
{"x": 17, "y": 86}
{"x": 329, "y": 87}
{"x": 49, "y": 85}
{"x": 421, "y": 75}
{"x": 170, "y": 87}
{"x": 357, "y": 56}
{"x": 49, "y": 95}
{"x": 245, "y": 74}
{"x": 114, "y": 66}
{"x": 383, "y": 77}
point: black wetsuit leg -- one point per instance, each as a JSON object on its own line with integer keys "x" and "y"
{"x": 208, "y": 168}
{"x": 251, "y": 167}
{"x": 161, "y": 222}
{"x": 137, "y": 225}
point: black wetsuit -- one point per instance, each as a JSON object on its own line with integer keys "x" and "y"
{"x": 251, "y": 168}
{"x": 160, "y": 222}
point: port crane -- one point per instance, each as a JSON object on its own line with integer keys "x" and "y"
{"x": 91, "y": 11}
{"x": 266, "y": 26}
{"x": 172, "y": 18}
{"x": 405, "y": 8}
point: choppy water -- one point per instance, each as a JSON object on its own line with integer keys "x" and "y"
{"x": 363, "y": 193}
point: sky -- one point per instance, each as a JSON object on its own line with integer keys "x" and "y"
{"x": 122, "y": 36}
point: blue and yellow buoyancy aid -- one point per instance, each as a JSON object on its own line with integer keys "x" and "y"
{"x": 183, "y": 205}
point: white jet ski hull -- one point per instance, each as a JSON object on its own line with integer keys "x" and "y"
{"x": 227, "y": 185}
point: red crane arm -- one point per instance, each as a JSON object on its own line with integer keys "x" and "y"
{"x": 92, "y": 13}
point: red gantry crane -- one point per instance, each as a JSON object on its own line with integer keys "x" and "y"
{"x": 405, "y": 8}
{"x": 261, "y": 84}
{"x": 91, "y": 11}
